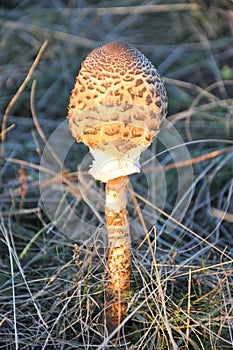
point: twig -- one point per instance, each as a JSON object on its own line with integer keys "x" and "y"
{"x": 188, "y": 307}
{"x": 7, "y": 129}
{"x": 59, "y": 35}
{"x": 37, "y": 125}
{"x": 18, "y": 93}
{"x": 125, "y": 10}
{"x": 220, "y": 214}
{"x": 30, "y": 165}
{"x": 188, "y": 162}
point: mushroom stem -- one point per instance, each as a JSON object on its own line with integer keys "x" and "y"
{"x": 118, "y": 265}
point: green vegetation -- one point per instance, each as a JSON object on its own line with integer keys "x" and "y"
{"x": 52, "y": 238}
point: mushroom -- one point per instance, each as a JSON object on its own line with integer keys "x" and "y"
{"x": 116, "y": 108}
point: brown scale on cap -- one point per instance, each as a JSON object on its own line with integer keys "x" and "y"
{"x": 116, "y": 86}
{"x": 116, "y": 108}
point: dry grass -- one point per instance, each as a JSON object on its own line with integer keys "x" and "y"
{"x": 52, "y": 240}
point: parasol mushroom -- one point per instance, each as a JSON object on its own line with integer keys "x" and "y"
{"x": 116, "y": 108}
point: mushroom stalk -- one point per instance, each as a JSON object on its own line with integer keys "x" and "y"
{"x": 118, "y": 265}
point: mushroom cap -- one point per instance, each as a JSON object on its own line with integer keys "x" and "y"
{"x": 116, "y": 108}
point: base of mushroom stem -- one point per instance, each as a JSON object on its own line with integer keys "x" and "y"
{"x": 115, "y": 312}
{"x": 118, "y": 286}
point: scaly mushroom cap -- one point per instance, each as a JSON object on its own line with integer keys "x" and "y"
{"x": 116, "y": 108}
